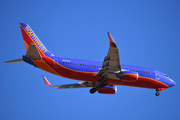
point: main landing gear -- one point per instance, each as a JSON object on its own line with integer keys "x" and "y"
{"x": 98, "y": 88}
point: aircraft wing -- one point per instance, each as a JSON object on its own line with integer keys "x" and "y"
{"x": 111, "y": 64}
{"x": 76, "y": 85}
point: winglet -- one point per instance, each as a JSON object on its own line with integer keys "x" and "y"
{"x": 111, "y": 41}
{"x": 46, "y": 81}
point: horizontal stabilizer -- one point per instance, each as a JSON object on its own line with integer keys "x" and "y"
{"x": 33, "y": 52}
{"x": 14, "y": 61}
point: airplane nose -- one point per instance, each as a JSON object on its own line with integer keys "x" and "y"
{"x": 171, "y": 83}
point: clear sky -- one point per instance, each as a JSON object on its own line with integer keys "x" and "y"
{"x": 147, "y": 33}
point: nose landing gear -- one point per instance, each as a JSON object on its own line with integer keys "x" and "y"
{"x": 159, "y": 89}
{"x": 157, "y": 93}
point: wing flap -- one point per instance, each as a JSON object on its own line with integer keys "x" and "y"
{"x": 113, "y": 61}
{"x": 76, "y": 85}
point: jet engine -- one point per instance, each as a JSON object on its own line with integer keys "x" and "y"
{"x": 128, "y": 76}
{"x": 108, "y": 89}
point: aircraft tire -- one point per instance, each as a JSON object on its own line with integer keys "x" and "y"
{"x": 157, "y": 94}
{"x": 93, "y": 90}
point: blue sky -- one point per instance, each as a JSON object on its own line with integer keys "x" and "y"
{"x": 147, "y": 34}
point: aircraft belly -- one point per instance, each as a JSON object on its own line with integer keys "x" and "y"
{"x": 142, "y": 82}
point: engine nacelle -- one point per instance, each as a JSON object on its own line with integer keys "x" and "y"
{"x": 128, "y": 76}
{"x": 108, "y": 89}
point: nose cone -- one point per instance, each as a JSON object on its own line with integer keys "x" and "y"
{"x": 171, "y": 83}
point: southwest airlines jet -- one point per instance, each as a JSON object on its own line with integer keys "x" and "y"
{"x": 100, "y": 76}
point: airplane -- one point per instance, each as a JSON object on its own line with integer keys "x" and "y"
{"x": 102, "y": 77}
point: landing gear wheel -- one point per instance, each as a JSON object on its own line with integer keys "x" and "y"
{"x": 157, "y": 94}
{"x": 93, "y": 90}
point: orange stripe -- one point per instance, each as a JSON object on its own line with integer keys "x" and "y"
{"x": 44, "y": 66}
{"x": 26, "y": 45}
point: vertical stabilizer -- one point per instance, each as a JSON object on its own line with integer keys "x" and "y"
{"x": 30, "y": 38}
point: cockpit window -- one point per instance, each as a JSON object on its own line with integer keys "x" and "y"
{"x": 165, "y": 75}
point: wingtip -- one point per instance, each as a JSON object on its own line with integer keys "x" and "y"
{"x": 111, "y": 40}
{"x": 46, "y": 81}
